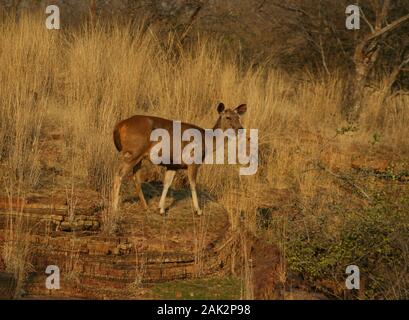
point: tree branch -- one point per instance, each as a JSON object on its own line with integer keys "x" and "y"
{"x": 385, "y": 30}
{"x": 366, "y": 20}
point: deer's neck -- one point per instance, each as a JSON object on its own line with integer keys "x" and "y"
{"x": 211, "y": 151}
{"x": 214, "y": 145}
{"x": 217, "y": 125}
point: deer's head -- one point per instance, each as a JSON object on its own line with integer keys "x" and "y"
{"x": 230, "y": 118}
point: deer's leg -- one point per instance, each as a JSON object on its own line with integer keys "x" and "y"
{"x": 138, "y": 184}
{"x": 122, "y": 171}
{"x": 192, "y": 174}
{"x": 169, "y": 175}
{"x": 125, "y": 165}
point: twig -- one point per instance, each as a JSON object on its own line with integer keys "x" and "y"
{"x": 193, "y": 18}
{"x": 344, "y": 178}
{"x": 367, "y": 21}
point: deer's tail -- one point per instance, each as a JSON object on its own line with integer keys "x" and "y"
{"x": 117, "y": 139}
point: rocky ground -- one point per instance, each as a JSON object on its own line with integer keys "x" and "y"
{"x": 149, "y": 248}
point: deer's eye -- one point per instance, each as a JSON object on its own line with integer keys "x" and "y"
{"x": 228, "y": 118}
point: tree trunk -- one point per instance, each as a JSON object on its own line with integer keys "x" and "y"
{"x": 93, "y": 12}
{"x": 364, "y": 59}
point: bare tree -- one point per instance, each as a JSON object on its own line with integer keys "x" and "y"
{"x": 380, "y": 45}
{"x": 367, "y": 52}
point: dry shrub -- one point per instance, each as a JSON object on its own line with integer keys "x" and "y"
{"x": 16, "y": 250}
{"x": 27, "y": 57}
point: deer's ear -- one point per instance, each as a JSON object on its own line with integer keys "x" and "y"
{"x": 220, "y": 107}
{"x": 241, "y": 109}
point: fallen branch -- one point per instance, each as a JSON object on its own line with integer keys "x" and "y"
{"x": 344, "y": 178}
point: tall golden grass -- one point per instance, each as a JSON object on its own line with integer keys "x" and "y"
{"x": 83, "y": 81}
{"x": 25, "y": 74}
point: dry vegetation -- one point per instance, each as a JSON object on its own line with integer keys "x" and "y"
{"x": 79, "y": 83}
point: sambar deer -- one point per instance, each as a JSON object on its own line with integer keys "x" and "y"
{"x": 132, "y": 140}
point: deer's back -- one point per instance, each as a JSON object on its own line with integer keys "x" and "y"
{"x": 133, "y": 134}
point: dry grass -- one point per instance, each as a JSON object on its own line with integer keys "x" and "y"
{"x": 16, "y": 250}
{"x": 84, "y": 81}
{"x": 26, "y": 79}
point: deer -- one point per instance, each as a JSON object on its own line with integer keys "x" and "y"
{"x": 132, "y": 140}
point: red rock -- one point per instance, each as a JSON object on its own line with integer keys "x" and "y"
{"x": 370, "y": 164}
